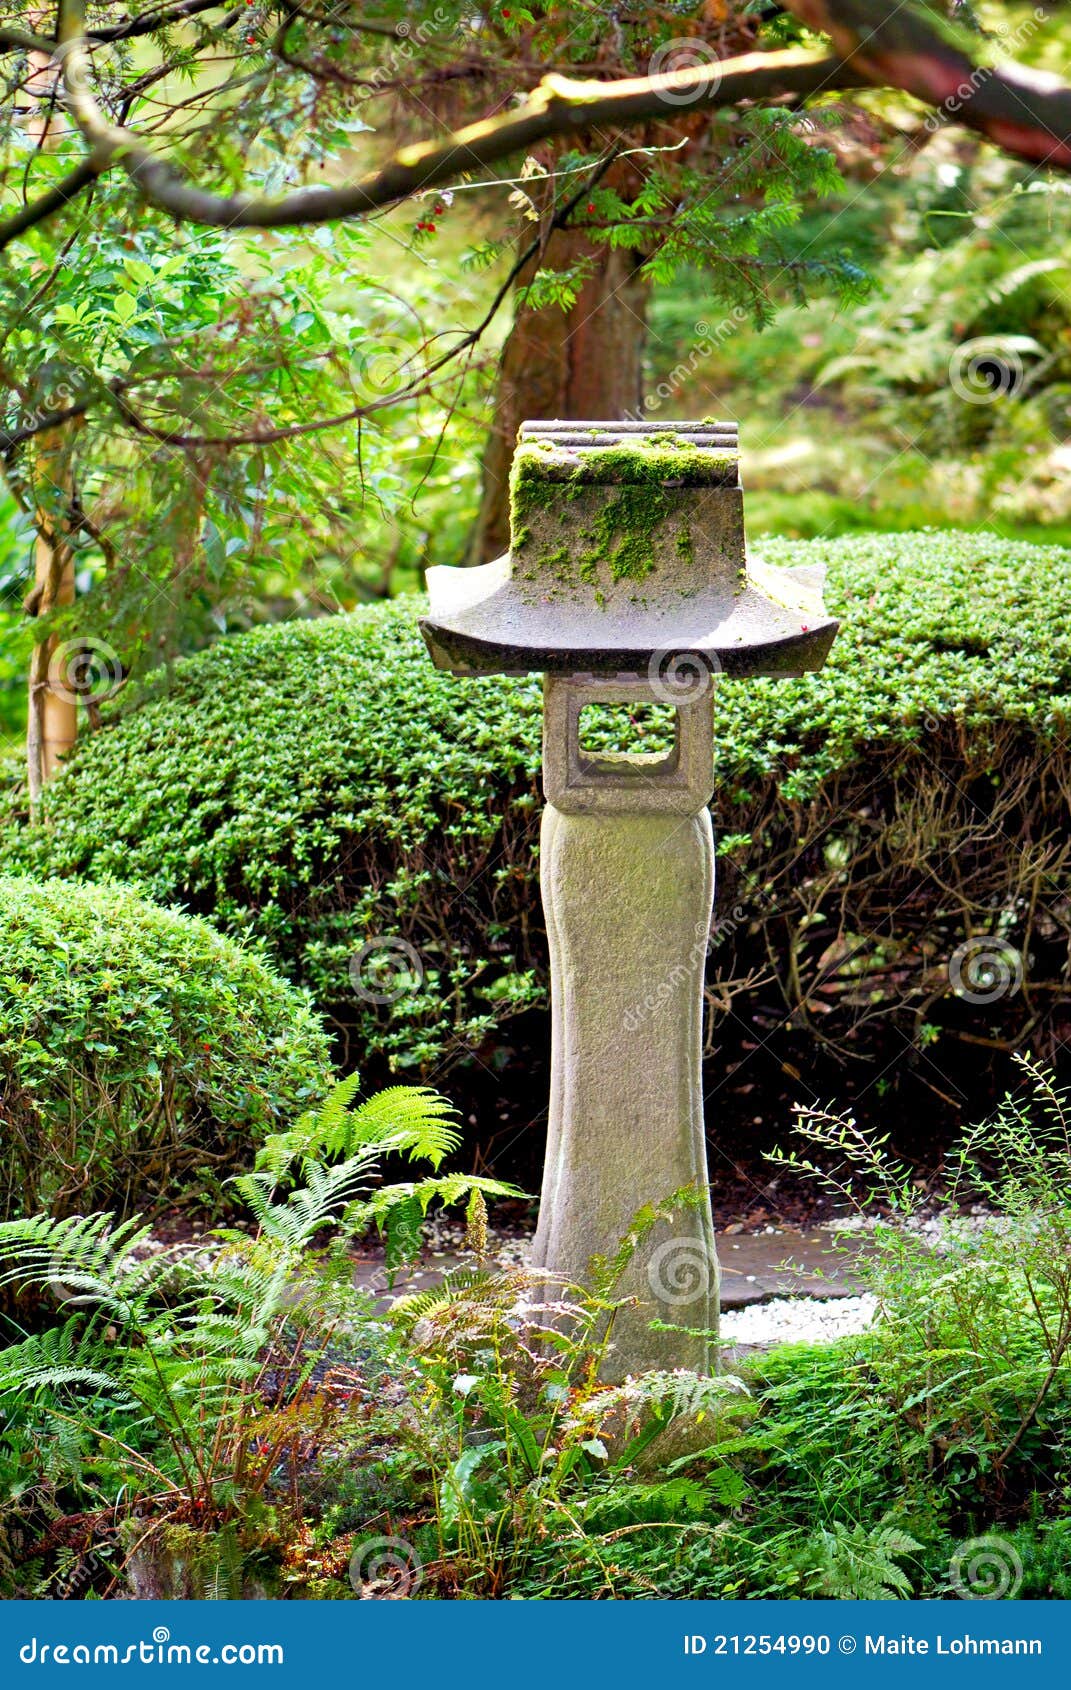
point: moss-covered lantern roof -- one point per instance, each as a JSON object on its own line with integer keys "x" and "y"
{"x": 627, "y": 550}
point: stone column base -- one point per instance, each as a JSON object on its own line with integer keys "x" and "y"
{"x": 628, "y": 899}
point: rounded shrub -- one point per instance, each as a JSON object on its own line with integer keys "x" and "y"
{"x": 141, "y": 1052}
{"x": 319, "y": 784}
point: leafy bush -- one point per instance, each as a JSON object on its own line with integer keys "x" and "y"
{"x": 320, "y": 785}
{"x": 972, "y": 1351}
{"x": 230, "y": 1394}
{"x": 138, "y": 1048}
{"x": 925, "y": 1456}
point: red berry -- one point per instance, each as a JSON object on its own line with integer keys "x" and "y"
{"x": 505, "y": 11}
{"x": 591, "y": 205}
{"x": 431, "y": 228}
{"x": 252, "y": 40}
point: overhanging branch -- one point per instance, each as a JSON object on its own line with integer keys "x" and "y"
{"x": 57, "y": 197}
{"x": 907, "y": 46}
{"x": 14, "y": 40}
{"x": 1024, "y": 112}
{"x": 558, "y": 106}
{"x": 23, "y": 41}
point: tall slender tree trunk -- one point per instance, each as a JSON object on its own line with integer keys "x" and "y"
{"x": 52, "y": 712}
{"x": 576, "y": 364}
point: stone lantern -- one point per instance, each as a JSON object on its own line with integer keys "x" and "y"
{"x": 627, "y": 583}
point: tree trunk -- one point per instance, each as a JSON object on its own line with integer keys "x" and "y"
{"x": 52, "y": 711}
{"x": 52, "y": 716}
{"x": 576, "y": 364}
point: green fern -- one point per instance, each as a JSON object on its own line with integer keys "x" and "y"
{"x": 857, "y": 1563}
{"x": 669, "y": 1396}
{"x": 151, "y": 1381}
{"x": 63, "y": 1358}
{"x": 470, "y": 1301}
{"x": 411, "y": 1121}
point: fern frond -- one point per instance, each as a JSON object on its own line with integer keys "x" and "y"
{"x": 470, "y": 1299}
{"x": 450, "y": 1190}
{"x": 1012, "y": 280}
{"x": 858, "y": 1562}
{"x": 405, "y": 1120}
{"x": 325, "y": 1192}
{"x": 38, "y": 1248}
{"x": 412, "y": 1120}
{"x": 672, "y": 1395}
{"x": 62, "y": 1357}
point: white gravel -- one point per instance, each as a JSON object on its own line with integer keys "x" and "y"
{"x": 798, "y": 1320}
{"x": 942, "y": 1230}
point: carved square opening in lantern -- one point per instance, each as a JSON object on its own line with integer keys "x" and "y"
{"x": 578, "y": 781}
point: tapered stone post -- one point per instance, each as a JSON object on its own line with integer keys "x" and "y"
{"x": 627, "y": 581}
{"x": 627, "y": 875}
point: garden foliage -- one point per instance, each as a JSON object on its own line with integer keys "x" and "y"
{"x": 141, "y": 1052}
{"x": 266, "y": 1430}
{"x": 198, "y": 1385}
{"x": 319, "y": 785}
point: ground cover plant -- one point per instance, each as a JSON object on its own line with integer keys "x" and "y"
{"x": 889, "y": 829}
{"x": 463, "y": 1445}
{"x": 143, "y": 1055}
{"x": 196, "y": 1390}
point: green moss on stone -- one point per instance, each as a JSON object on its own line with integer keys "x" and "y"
{"x": 620, "y": 538}
{"x": 622, "y": 534}
{"x": 535, "y": 472}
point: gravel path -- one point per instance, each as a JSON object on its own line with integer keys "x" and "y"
{"x": 798, "y": 1320}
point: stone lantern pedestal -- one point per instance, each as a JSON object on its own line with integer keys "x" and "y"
{"x": 627, "y": 876}
{"x": 627, "y": 584}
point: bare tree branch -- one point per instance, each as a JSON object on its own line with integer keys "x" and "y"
{"x": 23, "y": 41}
{"x": 557, "y": 106}
{"x": 63, "y": 192}
{"x": 1025, "y": 112}
{"x": 159, "y": 17}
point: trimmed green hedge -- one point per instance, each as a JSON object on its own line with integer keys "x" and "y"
{"x": 139, "y": 1049}
{"x": 320, "y": 785}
